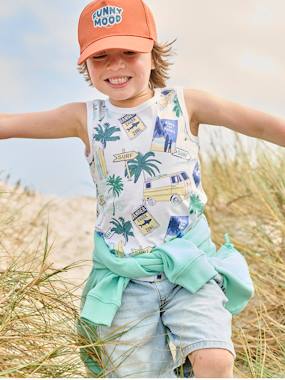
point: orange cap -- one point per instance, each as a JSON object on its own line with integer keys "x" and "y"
{"x": 123, "y": 24}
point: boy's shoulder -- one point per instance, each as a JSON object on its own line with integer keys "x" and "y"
{"x": 193, "y": 98}
{"x": 77, "y": 110}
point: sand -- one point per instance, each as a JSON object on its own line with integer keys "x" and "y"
{"x": 24, "y": 217}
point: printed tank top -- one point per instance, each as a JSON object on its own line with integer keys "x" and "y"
{"x": 145, "y": 165}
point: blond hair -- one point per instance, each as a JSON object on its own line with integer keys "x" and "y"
{"x": 158, "y": 76}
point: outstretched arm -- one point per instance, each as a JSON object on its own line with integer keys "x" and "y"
{"x": 65, "y": 121}
{"x": 206, "y": 108}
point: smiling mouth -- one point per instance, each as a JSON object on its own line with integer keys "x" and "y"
{"x": 118, "y": 81}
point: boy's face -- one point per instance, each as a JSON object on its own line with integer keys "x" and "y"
{"x": 121, "y": 74}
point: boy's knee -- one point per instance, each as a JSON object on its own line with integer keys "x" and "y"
{"x": 212, "y": 362}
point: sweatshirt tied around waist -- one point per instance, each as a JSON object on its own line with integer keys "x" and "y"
{"x": 189, "y": 261}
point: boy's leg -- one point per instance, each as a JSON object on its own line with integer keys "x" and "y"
{"x": 142, "y": 350}
{"x": 199, "y": 326}
{"x": 212, "y": 362}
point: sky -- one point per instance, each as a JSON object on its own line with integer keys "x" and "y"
{"x": 231, "y": 48}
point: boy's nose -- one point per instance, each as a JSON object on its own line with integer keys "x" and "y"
{"x": 116, "y": 62}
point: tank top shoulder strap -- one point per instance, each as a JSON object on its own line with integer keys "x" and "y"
{"x": 181, "y": 99}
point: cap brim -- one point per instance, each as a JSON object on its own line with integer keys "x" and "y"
{"x": 140, "y": 44}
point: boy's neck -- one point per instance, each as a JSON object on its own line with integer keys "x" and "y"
{"x": 134, "y": 101}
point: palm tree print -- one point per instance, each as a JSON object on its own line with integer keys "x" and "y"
{"x": 116, "y": 186}
{"x": 142, "y": 164}
{"x": 177, "y": 109}
{"x": 104, "y": 133}
{"x": 196, "y": 205}
{"x": 122, "y": 228}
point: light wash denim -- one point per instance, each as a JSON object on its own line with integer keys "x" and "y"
{"x": 155, "y": 313}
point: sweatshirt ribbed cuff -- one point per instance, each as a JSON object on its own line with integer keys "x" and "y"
{"x": 196, "y": 274}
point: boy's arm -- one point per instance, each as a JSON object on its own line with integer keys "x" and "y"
{"x": 206, "y": 108}
{"x": 65, "y": 121}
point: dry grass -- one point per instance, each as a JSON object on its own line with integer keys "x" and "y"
{"x": 37, "y": 325}
{"x": 38, "y": 302}
{"x": 39, "y": 306}
{"x": 247, "y": 200}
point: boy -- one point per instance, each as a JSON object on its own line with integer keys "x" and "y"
{"x": 154, "y": 261}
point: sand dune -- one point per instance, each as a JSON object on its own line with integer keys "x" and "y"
{"x": 24, "y": 217}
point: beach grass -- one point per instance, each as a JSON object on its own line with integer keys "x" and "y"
{"x": 39, "y": 305}
{"x": 246, "y": 195}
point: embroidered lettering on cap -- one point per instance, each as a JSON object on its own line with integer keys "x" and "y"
{"x": 107, "y": 16}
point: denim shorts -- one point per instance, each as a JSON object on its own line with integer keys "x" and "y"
{"x": 160, "y": 323}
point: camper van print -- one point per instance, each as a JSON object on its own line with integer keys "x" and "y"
{"x": 168, "y": 187}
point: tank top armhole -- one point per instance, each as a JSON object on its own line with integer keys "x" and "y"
{"x": 180, "y": 94}
{"x": 89, "y": 108}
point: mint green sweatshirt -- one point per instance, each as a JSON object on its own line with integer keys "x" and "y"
{"x": 189, "y": 261}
